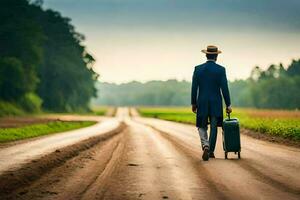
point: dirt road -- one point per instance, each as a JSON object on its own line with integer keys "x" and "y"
{"x": 14, "y": 156}
{"x": 155, "y": 159}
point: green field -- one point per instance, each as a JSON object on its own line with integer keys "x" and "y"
{"x": 11, "y": 134}
{"x": 100, "y": 110}
{"x": 285, "y": 124}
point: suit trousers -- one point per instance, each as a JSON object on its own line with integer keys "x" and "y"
{"x": 211, "y": 141}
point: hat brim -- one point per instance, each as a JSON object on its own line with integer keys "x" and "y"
{"x": 207, "y": 52}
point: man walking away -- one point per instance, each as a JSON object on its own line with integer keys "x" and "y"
{"x": 209, "y": 80}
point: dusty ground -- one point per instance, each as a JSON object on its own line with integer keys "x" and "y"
{"x": 9, "y": 122}
{"x": 155, "y": 159}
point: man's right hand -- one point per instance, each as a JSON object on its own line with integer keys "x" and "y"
{"x": 228, "y": 109}
{"x": 194, "y": 108}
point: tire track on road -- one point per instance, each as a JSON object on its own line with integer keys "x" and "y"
{"x": 259, "y": 175}
{"x": 98, "y": 186}
{"x": 267, "y": 179}
{"x": 220, "y": 190}
{"x": 15, "y": 182}
{"x": 154, "y": 168}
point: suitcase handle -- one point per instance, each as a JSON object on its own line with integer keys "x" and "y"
{"x": 228, "y": 115}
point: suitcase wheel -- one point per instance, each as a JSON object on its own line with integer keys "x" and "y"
{"x": 226, "y": 154}
{"x": 239, "y": 155}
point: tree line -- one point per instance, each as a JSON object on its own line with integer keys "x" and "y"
{"x": 153, "y": 93}
{"x": 42, "y": 60}
{"x": 277, "y": 87}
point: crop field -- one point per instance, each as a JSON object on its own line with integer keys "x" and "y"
{"x": 281, "y": 123}
{"x": 104, "y": 110}
{"x": 29, "y": 131}
{"x": 100, "y": 110}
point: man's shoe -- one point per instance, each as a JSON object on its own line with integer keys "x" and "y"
{"x": 205, "y": 155}
{"x": 211, "y": 155}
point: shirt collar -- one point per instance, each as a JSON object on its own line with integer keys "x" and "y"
{"x": 210, "y": 60}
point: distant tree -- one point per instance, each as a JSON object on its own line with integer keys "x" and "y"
{"x": 275, "y": 87}
{"x": 240, "y": 91}
{"x": 12, "y": 79}
{"x": 256, "y": 73}
{"x": 152, "y": 93}
{"x": 41, "y": 53}
{"x": 294, "y": 68}
{"x": 21, "y": 42}
{"x": 67, "y": 77}
{"x": 282, "y": 71}
{"x": 271, "y": 88}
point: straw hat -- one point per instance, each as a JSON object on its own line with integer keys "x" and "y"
{"x": 211, "y": 49}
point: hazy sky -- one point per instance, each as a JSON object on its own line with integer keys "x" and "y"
{"x": 162, "y": 39}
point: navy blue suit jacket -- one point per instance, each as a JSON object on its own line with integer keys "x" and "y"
{"x": 208, "y": 86}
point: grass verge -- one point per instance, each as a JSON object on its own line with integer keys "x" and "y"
{"x": 285, "y": 124}
{"x": 9, "y": 109}
{"x": 12, "y": 134}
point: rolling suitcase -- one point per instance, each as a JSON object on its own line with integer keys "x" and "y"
{"x": 231, "y": 136}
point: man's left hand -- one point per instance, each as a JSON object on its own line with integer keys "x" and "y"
{"x": 228, "y": 109}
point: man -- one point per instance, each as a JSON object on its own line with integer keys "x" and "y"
{"x": 209, "y": 80}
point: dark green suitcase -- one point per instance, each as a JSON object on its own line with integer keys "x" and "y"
{"x": 231, "y": 136}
